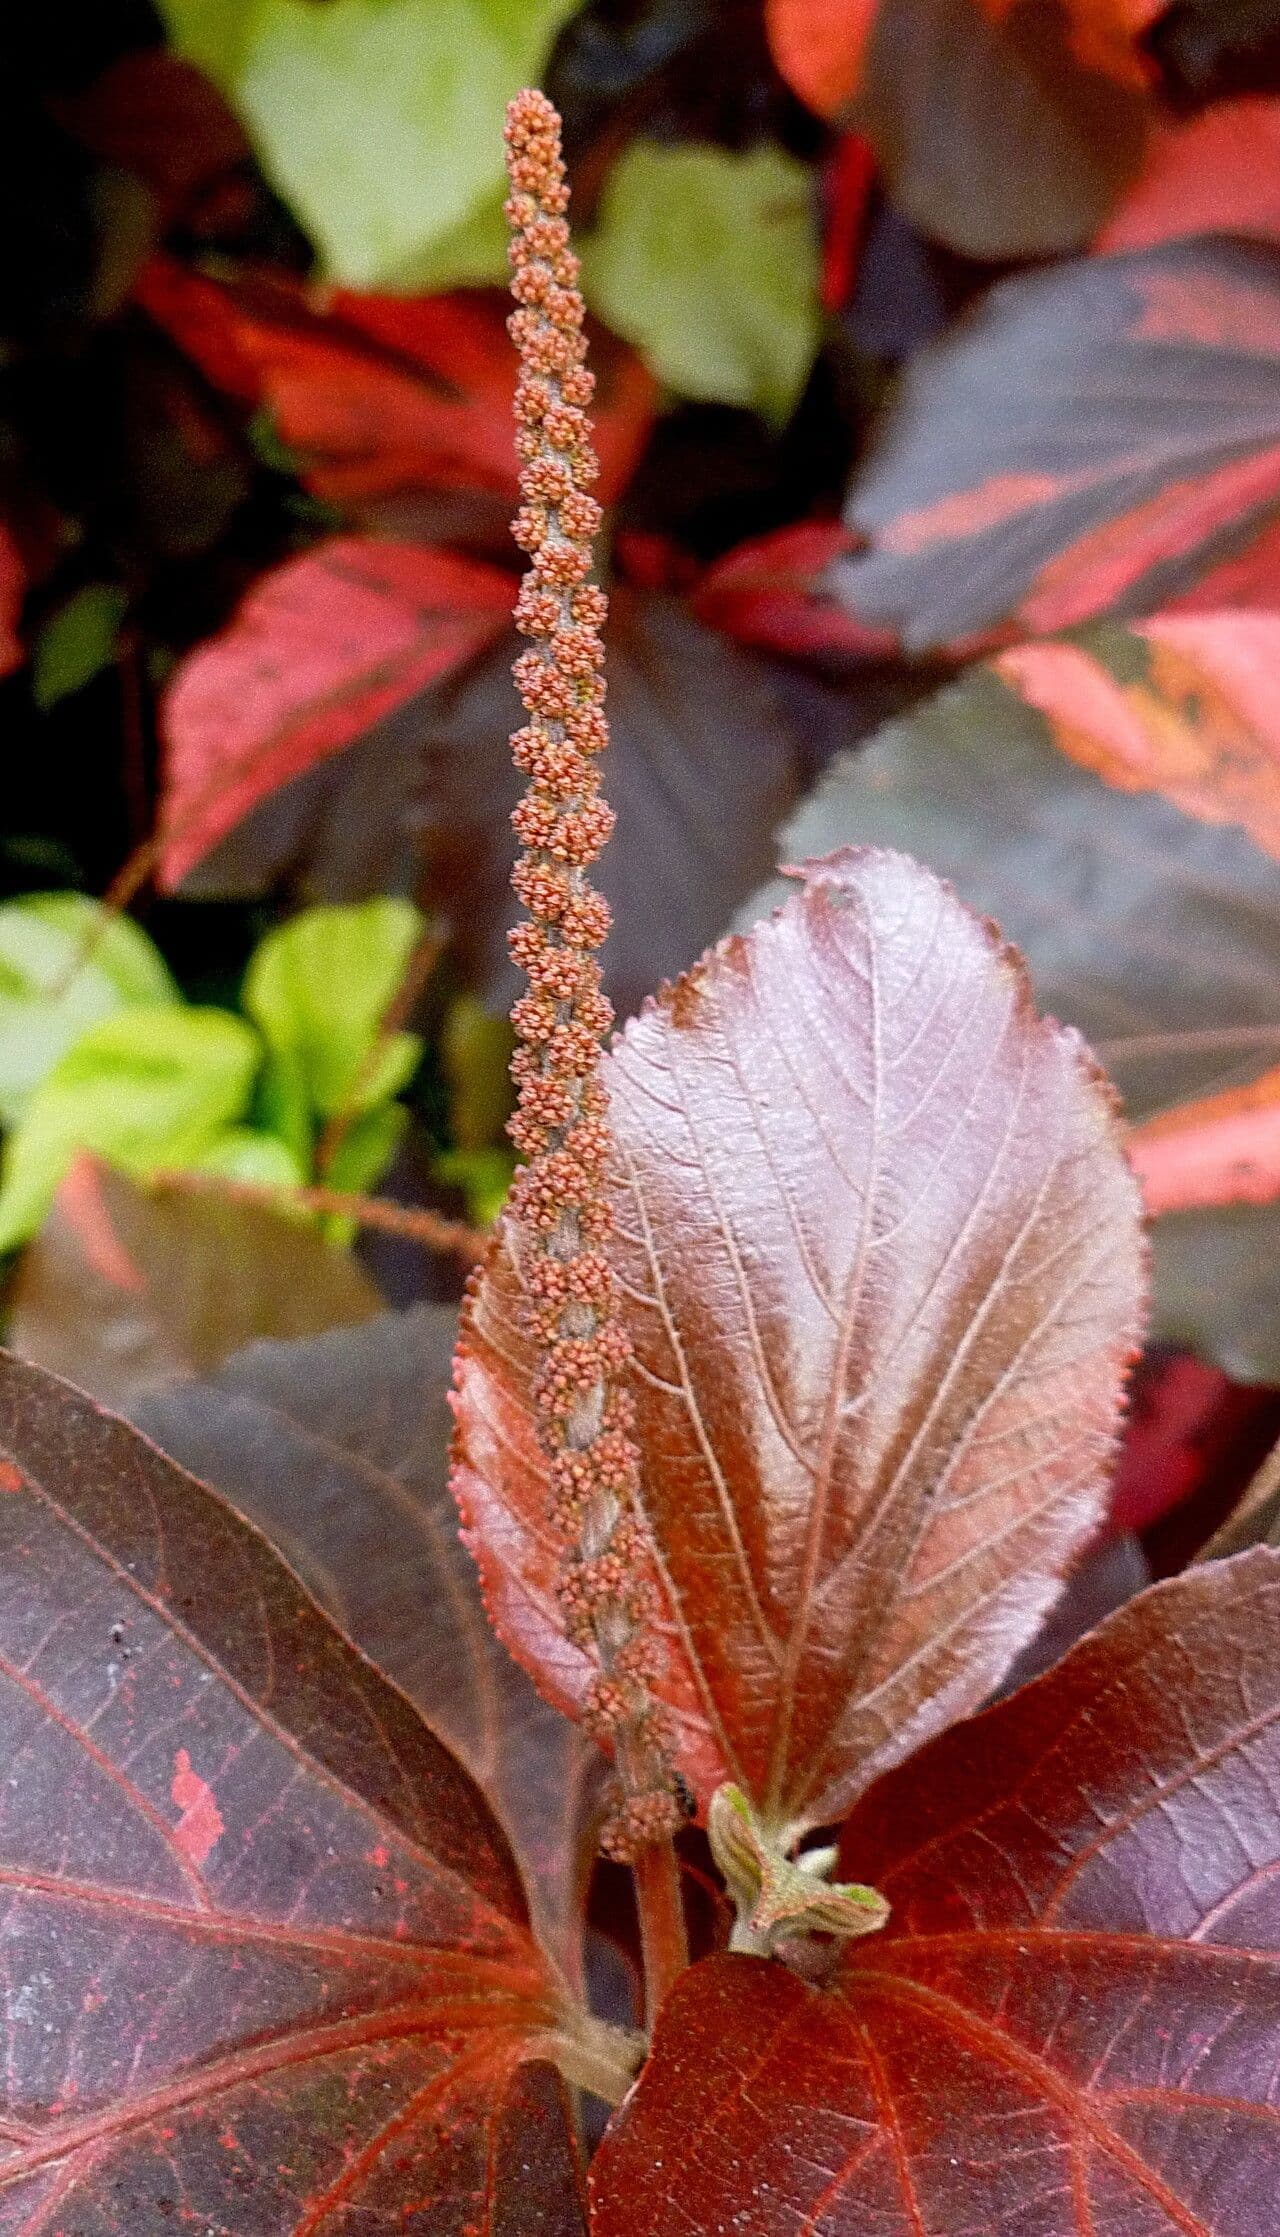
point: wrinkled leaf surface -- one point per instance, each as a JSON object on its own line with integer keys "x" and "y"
{"x": 880, "y": 1260}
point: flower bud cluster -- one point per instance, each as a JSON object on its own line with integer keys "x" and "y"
{"x": 585, "y": 1413}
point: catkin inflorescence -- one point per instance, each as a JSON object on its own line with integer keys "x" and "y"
{"x": 585, "y": 1413}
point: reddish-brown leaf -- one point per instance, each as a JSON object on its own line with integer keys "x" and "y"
{"x": 1070, "y": 2025}
{"x": 1025, "y": 484}
{"x": 924, "y": 80}
{"x": 880, "y": 1259}
{"x": 154, "y": 114}
{"x": 338, "y": 1449}
{"x": 379, "y": 393}
{"x": 127, "y": 1285}
{"x": 1218, "y": 172}
{"x": 820, "y": 46}
{"x": 317, "y": 653}
{"x": 267, "y": 1966}
{"x": 1183, "y": 704}
{"x": 1219, "y": 1149}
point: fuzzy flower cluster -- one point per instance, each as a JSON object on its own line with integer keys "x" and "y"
{"x": 586, "y": 1415}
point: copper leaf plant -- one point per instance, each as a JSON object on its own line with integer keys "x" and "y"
{"x": 785, "y": 1402}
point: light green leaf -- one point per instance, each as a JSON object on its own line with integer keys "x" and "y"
{"x": 484, "y": 1176}
{"x": 475, "y": 1054}
{"x": 709, "y": 263}
{"x": 318, "y": 988}
{"x": 245, "y": 1153}
{"x": 367, "y": 1149}
{"x": 48, "y": 997}
{"x": 211, "y": 33}
{"x": 76, "y": 642}
{"x": 146, "y": 1088}
{"x": 381, "y": 120}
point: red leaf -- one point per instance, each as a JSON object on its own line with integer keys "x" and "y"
{"x": 267, "y": 1951}
{"x": 155, "y": 115}
{"x": 1023, "y": 481}
{"x": 880, "y": 1261}
{"x": 772, "y": 592}
{"x": 1219, "y": 1149}
{"x": 316, "y": 654}
{"x": 379, "y": 393}
{"x": 1186, "y": 705}
{"x": 13, "y": 587}
{"x": 1217, "y": 173}
{"x": 820, "y": 46}
{"x": 1070, "y": 2023}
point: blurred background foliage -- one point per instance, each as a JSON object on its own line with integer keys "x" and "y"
{"x": 937, "y": 344}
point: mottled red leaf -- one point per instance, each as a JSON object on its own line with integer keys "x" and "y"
{"x": 924, "y": 81}
{"x": 129, "y": 1285}
{"x": 266, "y": 1960}
{"x": 316, "y": 654}
{"x": 1070, "y": 2025}
{"x": 1218, "y": 172}
{"x": 705, "y": 758}
{"x": 1024, "y": 482}
{"x": 1187, "y": 705}
{"x": 380, "y": 393}
{"x": 1219, "y": 1149}
{"x": 338, "y": 1449}
{"x": 772, "y": 593}
{"x": 880, "y": 1259}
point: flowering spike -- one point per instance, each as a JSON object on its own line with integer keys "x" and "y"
{"x": 584, "y": 1415}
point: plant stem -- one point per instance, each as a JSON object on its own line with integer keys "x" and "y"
{"x": 663, "y": 1940}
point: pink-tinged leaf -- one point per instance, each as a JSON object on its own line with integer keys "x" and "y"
{"x": 772, "y": 593}
{"x": 1069, "y": 2026}
{"x": 267, "y": 1962}
{"x": 316, "y": 654}
{"x": 1220, "y": 1149}
{"x": 1217, "y": 173}
{"x": 1024, "y": 483}
{"x": 880, "y": 1259}
{"x": 1186, "y": 705}
{"x": 381, "y": 393}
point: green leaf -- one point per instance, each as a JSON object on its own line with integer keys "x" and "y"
{"x": 484, "y": 1176}
{"x": 76, "y": 642}
{"x": 48, "y": 997}
{"x": 211, "y": 33}
{"x": 318, "y": 989}
{"x": 367, "y": 1148}
{"x": 708, "y": 262}
{"x": 381, "y": 120}
{"x": 245, "y": 1153}
{"x": 145, "y": 1088}
{"x": 475, "y": 1053}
